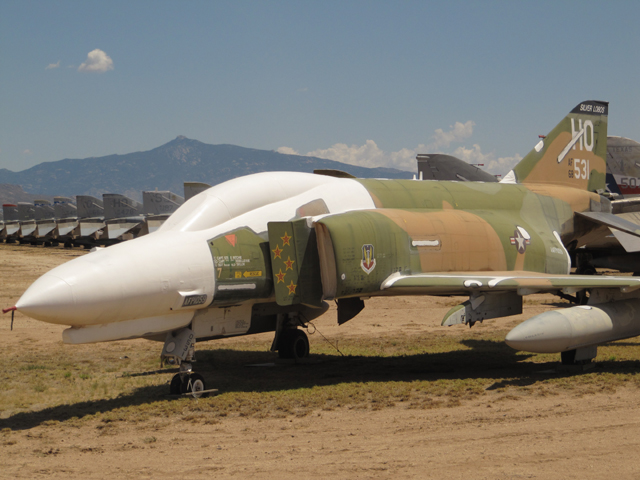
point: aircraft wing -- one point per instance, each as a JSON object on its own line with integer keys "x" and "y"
{"x": 463, "y": 283}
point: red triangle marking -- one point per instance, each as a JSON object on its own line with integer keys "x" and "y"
{"x": 232, "y": 239}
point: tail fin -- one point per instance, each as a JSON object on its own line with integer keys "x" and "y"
{"x": 573, "y": 154}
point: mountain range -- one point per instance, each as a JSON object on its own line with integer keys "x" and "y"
{"x": 167, "y": 167}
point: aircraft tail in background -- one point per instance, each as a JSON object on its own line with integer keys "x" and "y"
{"x": 573, "y": 154}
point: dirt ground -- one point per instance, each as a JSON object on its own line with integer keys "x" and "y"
{"x": 564, "y": 435}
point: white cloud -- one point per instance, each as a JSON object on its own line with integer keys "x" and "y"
{"x": 53, "y": 65}
{"x": 370, "y": 155}
{"x": 27, "y": 152}
{"x": 491, "y": 164}
{"x": 458, "y": 132}
{"x": 97, "y": 61}
{"x": 287, "y": 151}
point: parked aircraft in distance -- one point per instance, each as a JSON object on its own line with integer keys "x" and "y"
{"x": 158, "y": 206}
{"x": 87, "y": 221}
{"x": 265, "y": 252}
{"x": 623, "y": 164}
{"x": 437, "y": 166}
{"x": 11, "y": 228}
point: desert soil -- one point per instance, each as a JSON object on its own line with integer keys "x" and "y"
{"x": 564, "y": 435}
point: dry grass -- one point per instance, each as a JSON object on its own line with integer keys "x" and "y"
{"x": 75, "y": 383}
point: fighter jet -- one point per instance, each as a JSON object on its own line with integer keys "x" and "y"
{"x": 158, "y": 206}
{"x": 66, "y": 215}
{"x": 11, "y": 231}
{"x": 91, "y": 227}
{"x": 438, "y": 166}
{"x": 623, "y": 166}
{"x": 46, "y": 227}
{"x": 267, "y": 251}
{"x": 608, "y": 247}
{"x": 27, "y": 217}
{"x": 123, "y": 217}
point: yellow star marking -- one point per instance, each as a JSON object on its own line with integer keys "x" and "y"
{"x": 285, "y": 239}
{"x": 289, "y": 263}
{"x": 277, "y": 252}
{"x": 280, "y": 276}
{"x": 292, "y": 288}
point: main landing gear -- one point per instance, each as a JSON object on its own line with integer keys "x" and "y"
{"x": 179, "y": 348}
{"x": 290, "y": 341}
{"x": 293, "y": 343}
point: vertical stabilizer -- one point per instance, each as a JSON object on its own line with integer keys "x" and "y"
{"x": 191, "y": 189}
{"x": 120, "y": 206}
{"x": 160, "y": 203}
{"x": 573, "y": 154}
{"x": 89, "y": 207}
{"x": 64, "y": 207}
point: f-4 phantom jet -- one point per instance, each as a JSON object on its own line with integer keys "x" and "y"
{"x": 266, "y": 252}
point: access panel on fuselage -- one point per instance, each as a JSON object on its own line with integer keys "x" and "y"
{"x": 242, "y": 266}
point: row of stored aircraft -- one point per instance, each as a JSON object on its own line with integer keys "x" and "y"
{"x": 265, "y": 252}
{"x": 89, "y": 221}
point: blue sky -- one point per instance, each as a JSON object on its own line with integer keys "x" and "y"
{"x": 366, "y": 82}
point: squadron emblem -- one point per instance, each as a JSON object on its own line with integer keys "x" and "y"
{"x": 368, "y": 262}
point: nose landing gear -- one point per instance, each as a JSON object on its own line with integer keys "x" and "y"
{"x": 187, "y": 384}
{"x": 179, "y": 347}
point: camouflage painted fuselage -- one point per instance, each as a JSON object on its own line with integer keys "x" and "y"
{"x": 435, "y": 227}
{"x": 416, "y": 227}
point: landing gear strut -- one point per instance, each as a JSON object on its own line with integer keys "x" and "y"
{"x": 179, "y": 347}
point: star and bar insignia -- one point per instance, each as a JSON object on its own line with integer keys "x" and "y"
{"x": 520, "y": 239}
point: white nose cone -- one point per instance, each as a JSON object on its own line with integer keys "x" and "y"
{"x": 48, "y": 299}
{"x": 142, "y": 278}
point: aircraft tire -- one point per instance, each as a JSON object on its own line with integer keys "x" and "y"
{"x": 300, "y": 345}
{"x": 193, "y": 385}
{"x": 174, "y": 386}
{"x": 294, "y": 344}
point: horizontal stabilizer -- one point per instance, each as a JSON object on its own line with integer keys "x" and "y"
{"x": 612, "y": 221}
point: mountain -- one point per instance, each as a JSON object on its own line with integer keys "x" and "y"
{"x": 15, "y": 194}
{"x": 167, "y": 167}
